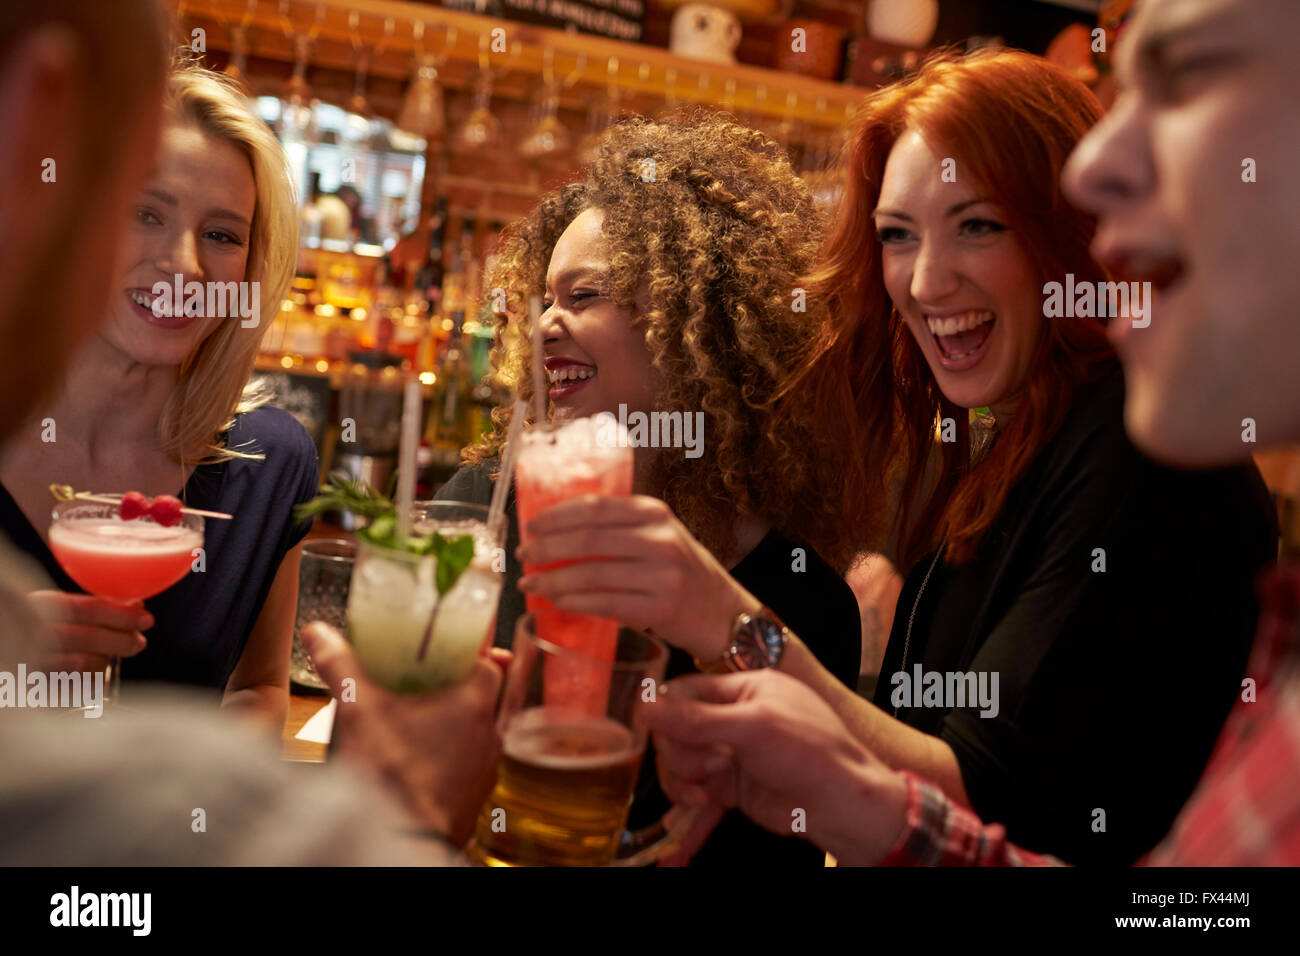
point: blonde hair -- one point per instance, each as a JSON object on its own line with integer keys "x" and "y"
{"x": 213, "y": 385}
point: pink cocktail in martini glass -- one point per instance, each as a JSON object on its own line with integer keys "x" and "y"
{"x": 128, "y": 560}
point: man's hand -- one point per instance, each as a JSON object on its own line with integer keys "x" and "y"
{"x": 769, "y": 745}
{"x": 437, "y": 752}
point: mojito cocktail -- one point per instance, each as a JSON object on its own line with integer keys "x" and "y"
{"x": 410, "y": 637}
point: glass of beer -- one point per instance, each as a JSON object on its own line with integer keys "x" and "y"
{"x": 567, "y": 775}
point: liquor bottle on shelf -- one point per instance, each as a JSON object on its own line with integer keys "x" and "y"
{"x": 469, "y": 266}
{"x": 451, "y": 419}
{"x": 460, "y": 285}
{"x": 429, "y": 279}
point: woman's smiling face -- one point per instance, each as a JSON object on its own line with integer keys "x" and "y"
{"x": 595, "y": 351}
{"x": 193, "y": 218}
{"x": 958, "y": 278}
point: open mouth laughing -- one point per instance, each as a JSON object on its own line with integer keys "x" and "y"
{"x": 567, "y": 376}
{"x": 142, "y": 302}
{"x": 961, "y": 338}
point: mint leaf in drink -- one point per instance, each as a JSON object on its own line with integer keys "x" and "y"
{"x": 341, "y": 493}
{"x": 454, "y": 556}
{"x": 382, "y": 531}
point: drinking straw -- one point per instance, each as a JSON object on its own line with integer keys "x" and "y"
{"x": 539, "y": 375}
{"x": 406, "y": 460}
{"x": 497, "y": 509}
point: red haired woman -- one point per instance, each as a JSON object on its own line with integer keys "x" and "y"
{"x": 1057, "y": 660}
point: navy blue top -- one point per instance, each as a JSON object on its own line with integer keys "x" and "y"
{"x": 203, "y": 623}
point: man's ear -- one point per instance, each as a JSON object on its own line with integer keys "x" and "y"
{"x": 42, "y": 136}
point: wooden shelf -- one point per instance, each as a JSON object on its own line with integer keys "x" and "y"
{"x": 393, "y": 31}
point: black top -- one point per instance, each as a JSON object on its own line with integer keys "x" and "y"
{"x": 203, "y": 622}
{"x": 1112, "y": 684}
{"x": 803, "y": 590}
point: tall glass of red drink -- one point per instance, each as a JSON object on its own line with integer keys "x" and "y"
{"x": 555, "y": 463}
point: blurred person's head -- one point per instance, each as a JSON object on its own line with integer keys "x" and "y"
{"x": 1192, "y": 176}
{"x": 218, "y": 207}
{"x": 951, "y": 224}
{"x": 352, "y": 199}
{"x": 668, "y": 277}
{"x": 79, "y": 91}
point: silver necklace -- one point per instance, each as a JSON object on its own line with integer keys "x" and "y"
{"x": 984, "y": 432}
{"x": 907, "y": 639}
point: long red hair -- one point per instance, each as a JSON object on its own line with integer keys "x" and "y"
{"x": 1011, "y": 120}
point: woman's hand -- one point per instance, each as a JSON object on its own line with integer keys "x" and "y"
{"x": 89, "y": 631}
{"x": 638, "y": 564}
{"x": 769, "y": 745}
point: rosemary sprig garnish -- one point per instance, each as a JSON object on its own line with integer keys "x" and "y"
{"x": 341, "y": 493}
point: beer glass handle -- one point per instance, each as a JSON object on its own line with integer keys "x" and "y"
{"x": 645, "y": 846}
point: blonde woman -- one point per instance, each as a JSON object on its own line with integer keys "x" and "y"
{"x": 160, "y": 404}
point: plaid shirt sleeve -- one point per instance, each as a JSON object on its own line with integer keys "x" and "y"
{"x": 937, "y": 832}
{"x": 1246, "y": 809}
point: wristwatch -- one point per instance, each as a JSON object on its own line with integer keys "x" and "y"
{"x": 757, "y": 641}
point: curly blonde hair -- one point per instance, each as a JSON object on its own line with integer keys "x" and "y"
{"x": 708, "y": 219}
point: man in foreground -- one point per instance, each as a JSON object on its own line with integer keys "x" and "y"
{"x": 80, "y": 106}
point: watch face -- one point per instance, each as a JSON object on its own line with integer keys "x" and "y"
{"x": 759, "y": 644}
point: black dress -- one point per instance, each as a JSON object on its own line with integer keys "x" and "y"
{"x": 203, "y": 623}
{"x": 1113, "y": 600}
{"x": 788, "y": 577}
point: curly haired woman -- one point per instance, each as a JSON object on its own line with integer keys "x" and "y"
{"x": 669, "y": 276}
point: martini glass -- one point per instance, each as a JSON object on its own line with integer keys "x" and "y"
{"x": 126, "y": 560}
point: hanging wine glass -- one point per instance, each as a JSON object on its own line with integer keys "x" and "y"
{"x": 548, "y": 136}
{"x": 356, "y": 125}
{"x": 423, "y": 112}
{"x": 298, "y": 114}
{"x": 481, "y": 131}
{"x": 237, "y": 67}
{"x": 819, "y": 162}
{"x": 600, "y": 116}
{"x": 297, "y": 118}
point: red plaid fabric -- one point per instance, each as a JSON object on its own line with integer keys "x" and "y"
{"x": 1244, "y": 812}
